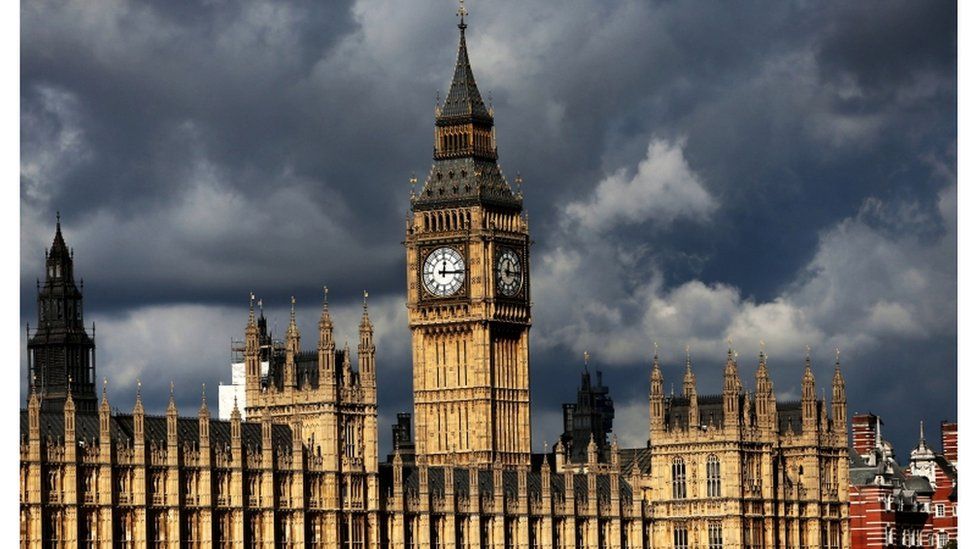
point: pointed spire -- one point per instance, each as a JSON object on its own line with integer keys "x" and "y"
{"x": 138, "y": 407}
{"x": 365, "y": 320}
{"x": 203, "y": 401}
{"x": 463, "y": 99}
{"x": 688, "y": 388}
{"x": 171, "y": 407}
{"x": 461, "y": 13}
{"x": 292, "y": 324}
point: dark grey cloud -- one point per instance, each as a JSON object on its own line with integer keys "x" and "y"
{"x": 199, "y": 151}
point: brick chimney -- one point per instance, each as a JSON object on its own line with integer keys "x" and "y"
{"x": 950, "y": 437}
{"x": 863, "y": 432}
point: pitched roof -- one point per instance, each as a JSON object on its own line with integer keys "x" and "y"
{"x": 187, "y": 430}
{"x": 463, "y": 100}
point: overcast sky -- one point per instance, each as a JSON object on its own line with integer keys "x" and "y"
{"x": 776, "y": 171}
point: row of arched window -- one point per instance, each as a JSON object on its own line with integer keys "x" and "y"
{"x": 713, "y": 478}
{"x": 450, "y": 220}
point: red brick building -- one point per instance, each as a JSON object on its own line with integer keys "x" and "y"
{"x": 895, "y": 506}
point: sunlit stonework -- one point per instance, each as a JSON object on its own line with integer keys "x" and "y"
{"x": 734, "y": 470}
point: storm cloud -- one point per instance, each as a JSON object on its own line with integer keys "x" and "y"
{"x": 775, "y": 171}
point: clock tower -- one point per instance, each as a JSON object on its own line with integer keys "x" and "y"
{"x": 467, "y": 248}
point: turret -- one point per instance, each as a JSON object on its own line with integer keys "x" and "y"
{"x": 326, "y": 343}
{"x": 105, "y": 421}
{"x": 731, "y": 388}
{"x": 252, "y": 357}
{"x": 690, "y": 391}
{"x": 60, "y": 349}
{"x": 346, "y": 366}
{"x": 839, "y": 399}
{"x": 367, "y": 350}
{"x": 139, "y": 417}
{"x": 171, "y": 422}
{"x": 765, "y": 398}
{"x": 656, "y": 398}
{"x": 235, "y": 427}
{"x": 809, "y": 398}
{"x": 69, "y": 425}
{"x": 292, "y": 347}
{"x": 204, "y": 417}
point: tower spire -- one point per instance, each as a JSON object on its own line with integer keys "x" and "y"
{"x": 462, "y": 12}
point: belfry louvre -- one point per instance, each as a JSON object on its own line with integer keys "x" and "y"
{"x": 733, "y": 470}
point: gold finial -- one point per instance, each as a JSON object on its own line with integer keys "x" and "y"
{"x": 204, "y": 394}
{"x": 655, "y": 348}
{"x": 462, "y": 12}
{"x": 586, "y": 358}
{"x": 138, "y": 388}
{"x": 837, "y": 352}
{"x": 365, "y": 297}
{"x": 808, "y": 353}
{"x": 171, "y": 388}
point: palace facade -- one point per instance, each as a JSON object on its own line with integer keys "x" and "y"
{"x": 734, "y": 470}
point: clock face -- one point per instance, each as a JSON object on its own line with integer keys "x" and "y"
{"x": 508, "y": 272}
{"x": 443, "y": 271}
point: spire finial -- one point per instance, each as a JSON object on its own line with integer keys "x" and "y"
{"x": 138, "y": 389}
{"x": 462, "y": 12}
{"x": 69, "y": 387}
{"x": 518, "y": 181}
{"x": 586, "y": 359}
{"x": 365, "y": 297}
{"x": 837, "y": 354}
{"x": 57, "y": 214}
{"x": 413, "y": 177}
{"x": 235, "y": 403}
{"x": 171, "y": 389}
{"x": 104, "y": 388}
{"x": 250, "y": 308}
{"x": 325, "y": 298}
{"x": 203, "y": 396}
{"x": 292, "y": 308}
{"x": 921, "y": 431}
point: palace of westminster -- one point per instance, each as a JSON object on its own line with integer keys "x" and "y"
{"x": 732, "y": 470}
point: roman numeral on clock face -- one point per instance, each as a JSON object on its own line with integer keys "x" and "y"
{"x": 443, "y": 272}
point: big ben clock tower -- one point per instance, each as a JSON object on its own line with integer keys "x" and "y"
{"x": 468, "y": 291}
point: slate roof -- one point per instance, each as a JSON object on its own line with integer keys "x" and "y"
{"x": 435, "y": 482}
{"x": 187, "y": 429}
{"x": 466, "y": 181}
{"x": 711, "y": 408}
{"x": 463, "y": 100}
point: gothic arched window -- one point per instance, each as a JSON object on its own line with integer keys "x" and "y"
{"x": 713, "y": 472}
{"x": 678, "y": 488}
